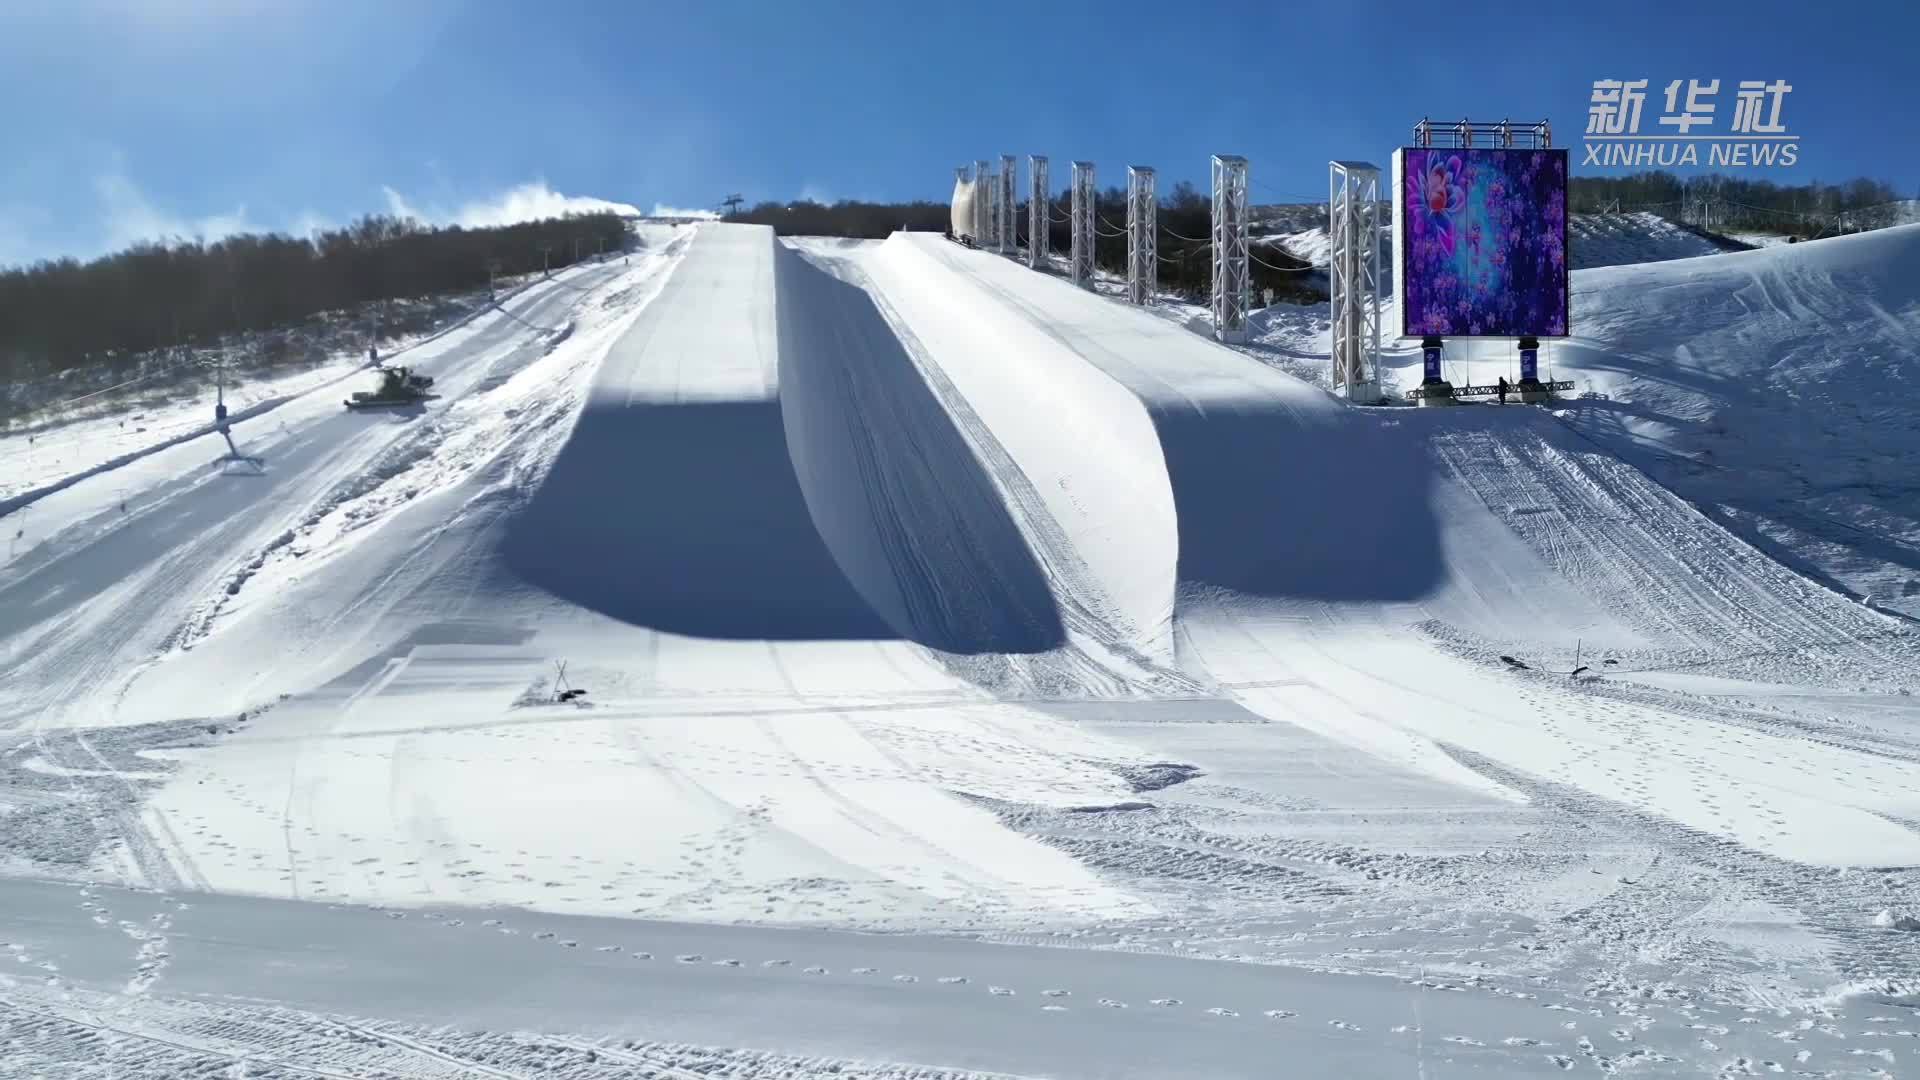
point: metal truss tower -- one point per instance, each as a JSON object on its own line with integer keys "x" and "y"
{"x": 1039, "y": 212}
{"x": 1143, "y": 232}
{"x": 982, "y": 204}
{"x": 1009, "y": 199}
{"x": 1083, "y": 224}
{"x": 1353, "y": 229}
{"x": 991, "y": 239}
{"x": 1232, "y": 285}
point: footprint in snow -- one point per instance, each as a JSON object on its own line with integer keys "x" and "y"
{"x": 1517, "y": 1040}
{"x": 816, "y": 971}
{"x": 1053, "y": 1008}
{"x": 866, "y": 971}
{"x": 570, "y": 944}
{"x": 690, "y": 958}
{"x": 491, "y": 922}
{"x": 726, "y": 963}
{"x": 1057, "y": 993}
{"x": 1463, "y": 1040}
{"x": 1280, "y": 1014}
{"x": 1112, "y": 1004}
{"x": 775, "y": 963}
{"x": 1343, "y": 1025}
{"x": 396, "y": 914}
{"x": 544, "y": 935}
{"x": 1000, "y": 991}
{"x": 1218, "y": 1011}
{"x": 1165, "y": 1002}
{"x": 906, "y": 978}
{"x": 953, "y": 980}
{"x": 456, "y": 922}
{"x": 641, "y": 955}
{"x": 1562, "y": 1060}
{"x": 608, "y": 948}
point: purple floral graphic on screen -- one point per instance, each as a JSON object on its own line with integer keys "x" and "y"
{"x": 1436, "y": 190}
{"x": 1485, "y": 235}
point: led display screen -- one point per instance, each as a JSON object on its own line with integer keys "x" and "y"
{"x": 1482, "y": 242}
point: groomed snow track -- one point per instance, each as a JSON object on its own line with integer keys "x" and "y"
{"x": 843, "y": 486}
{"x": 916, "y": 591}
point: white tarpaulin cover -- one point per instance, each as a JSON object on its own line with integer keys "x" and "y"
{"x": 964, "y": 192}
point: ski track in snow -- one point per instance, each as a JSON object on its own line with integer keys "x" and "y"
{"x": 866, "y": 556}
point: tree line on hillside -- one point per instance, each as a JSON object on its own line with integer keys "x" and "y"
{"x": 1733, "y": 202}
{"x": 1185, "y": 217}
{"x": 60, "y": 314}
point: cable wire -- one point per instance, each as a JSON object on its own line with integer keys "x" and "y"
{"x": 1282, "y": 269}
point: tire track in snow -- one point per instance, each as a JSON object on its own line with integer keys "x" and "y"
{"x": 1837, "y": 905}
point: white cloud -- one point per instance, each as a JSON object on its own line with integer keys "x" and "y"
{"x": 531, "y": 201}
{"x": 663, "y": 210}
{"x": 129, "y": 217}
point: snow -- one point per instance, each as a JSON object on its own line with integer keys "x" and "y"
{"x": 1592, "y": 239}
{"x": 860, "y": 829}
{"x": 106, "y": 431}
{"x": 1636, "y": 237}
{"x": 983, "y": 675}
{"x": 1776, "y": 389}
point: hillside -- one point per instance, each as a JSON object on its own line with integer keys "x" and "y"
{"x": 1776, "y": 389}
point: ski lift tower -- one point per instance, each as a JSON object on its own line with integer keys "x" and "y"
{"x": 1353, "y": 227}
{"x": 1143, "y": 245}
{"x": 1008, "y": 174}
{"x": 1083, "y": 224}
{"x": 1232, "y": 286}
{"x": 1039, "y": 212}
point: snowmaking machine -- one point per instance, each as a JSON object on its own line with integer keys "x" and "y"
{"x": 397, "y": 386}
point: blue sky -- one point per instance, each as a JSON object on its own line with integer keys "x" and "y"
{"x": 127, "y": 118}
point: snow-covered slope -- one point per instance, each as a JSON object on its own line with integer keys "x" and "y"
{"x": 1304, "y": 523}
{"x": 1637, "y": 237}
{"x": 1051, "y": 517}
{"x": 141, "y": 551}
{"x": 634, "y": 508}
{"x": 1778, "y": 390}
{"x": 914, "y": 590}
{"x": 1592, "y": 240}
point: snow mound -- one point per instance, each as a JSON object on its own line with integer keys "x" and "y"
{"x": 910, "y": 516}
{"x": 1075, "y": 453}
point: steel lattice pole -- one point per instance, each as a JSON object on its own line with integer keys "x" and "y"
{"x": 1039, "y": 213}
{"x": 981, "y": 198}
{"x": 1008, "y": 175}
{"x": 1232, "y": 287}
{"x": 1353, "y": 191}
{"x": 1143, "y": 243}
{"x": 1083, "y": 223}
